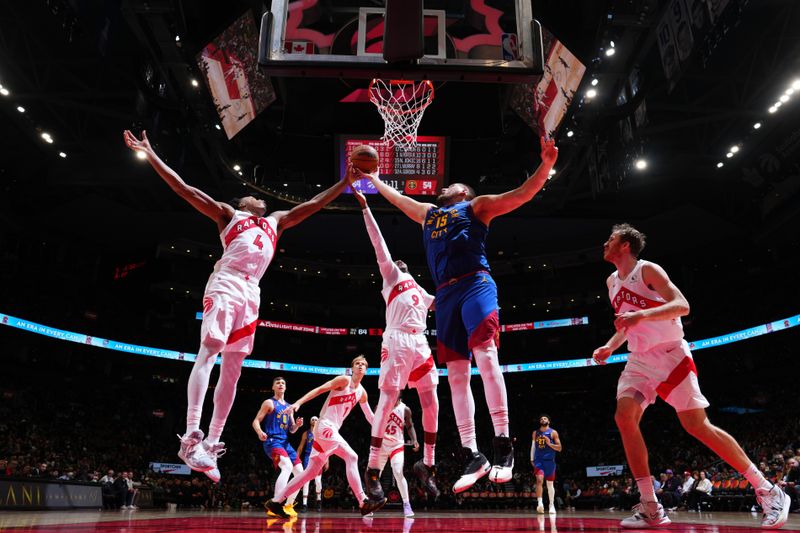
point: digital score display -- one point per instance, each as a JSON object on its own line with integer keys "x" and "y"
{"x": 420, "y": 171}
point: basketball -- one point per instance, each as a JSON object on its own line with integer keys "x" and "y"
{"x": 365, "y": 158}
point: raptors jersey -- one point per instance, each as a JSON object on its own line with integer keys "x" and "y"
{"x": 406, "y": 302}
{"x": 248, "y": 242}
{"x": 394, "y": 426}
{"x": 632, "y": 294}
{"x": 339, "y": 404}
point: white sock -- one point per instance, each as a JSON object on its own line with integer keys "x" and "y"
{"x": 458, "y": 377}
{"x": 646, "y": 491}
{"x": 756, "y": 478}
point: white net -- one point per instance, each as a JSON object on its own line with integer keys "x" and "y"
{"x": 401, "y": 104}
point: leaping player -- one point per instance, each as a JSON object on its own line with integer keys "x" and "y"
{"x": 543, "y": 458}
{"x": 231, "y": 298}
{"x": 649, "y": 307}
{"x": 271, "y": 424}
{"x": 344, "y": 392}
{"x": 405, "y": 360}
{"x": 467, "y": 320}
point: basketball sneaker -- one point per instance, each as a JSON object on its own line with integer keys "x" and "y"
{"x": 302, "y": 508}
{"x": 477, "y": 467}
{"x": 193, "y": 455}
{"x": 318, "y": 507}
{"x": 372, "y": 484}
{"x": 369, "y": 506}
{"x": 274, "y": 508}
{"x": 775, "y": 504}
{"x": 650, "y": 514}
{"x": 540, "y": 508}
{"x": 503, "y": 460}
{"x": 552, "y": 509}
{"x": 289, "y": 509}
{"x": 214, "y": 451}
{"x": 407, "y": 512}
{"x": 427, "y": 475}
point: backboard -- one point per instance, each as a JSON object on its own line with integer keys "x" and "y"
{"x": 465, "y": 40}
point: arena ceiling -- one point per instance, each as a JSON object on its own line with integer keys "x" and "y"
{"x": 84, "y": 71}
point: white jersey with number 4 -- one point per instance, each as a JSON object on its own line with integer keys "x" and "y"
{"x": 248, "y": 242}
{"x": 340, "y": 403}
{"x": 406, "y": 302}
{"x": 394, "y": 426}
{"x": 632, "y": 294}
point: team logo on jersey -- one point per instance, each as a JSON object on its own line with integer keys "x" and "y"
{"x": 384, "y": 354}
{"x": 627, "y": 296}
{"x": 327, "y": 433}
{"x": 343, "y": 399}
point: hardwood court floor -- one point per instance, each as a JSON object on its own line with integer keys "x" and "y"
{"x": 384, "y": 522}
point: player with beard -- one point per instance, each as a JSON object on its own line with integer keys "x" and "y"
{"x": 467, "y": 321}
{"x": 543, "y": 457}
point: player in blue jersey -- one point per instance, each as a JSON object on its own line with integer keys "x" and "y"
{"x": 543, "y": 458}
{"x": 273, "y": 424}
{"x": 467, "y": 322}
{"x": 304, "y": 450}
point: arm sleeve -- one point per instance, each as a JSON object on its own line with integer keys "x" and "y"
{"x": 388, "y": 268}
{"x": 367, "y": 410}
{"x": 533, "y": 450}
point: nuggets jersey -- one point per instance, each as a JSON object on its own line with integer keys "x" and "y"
{"x": 308, "y": 446}
{"x": 276, "y": 423}
{"x": 632, "y": 294}
{"x": 339, "y": 403}
{"x": 394, "y": 426}
{"x": 248, "y": 244}
{"x": 455, "y": 242}
{"x": 543, "y": 452}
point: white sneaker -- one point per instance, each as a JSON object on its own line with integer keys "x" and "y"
{"x": 123, "y": 507}
{"x": 407, "y": 512}
{"x": 540, "y": 509}
{"x": 193, "y": 455}
{"x": 214, "y": 451}
{"x": 552, "y": 509}
{"x": 775, "y": 504}
{"x": 646, "y": 515}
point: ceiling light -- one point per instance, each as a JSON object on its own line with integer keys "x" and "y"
{"x": 610, "y": 52}
{"x": 570, "y": 133}
{"x": 734, "y": 148}
{"x": 784, "y": 98}
{"x": 591, "y": 93}
{"x": 4, "y": 91}
{"x": 789, "y": 92}
{"x": 62, "y": 154}
{"x": 194, "y": 83}
{"x": 552, "y": 172}
{"x": 729, "y": 155}
{"x": 756, "y": 125}
{"x": 141, "y": 155}
{"x": 285, "y": 184}
{"x": 237, "y": 168}
{"x": 218, "y": 126}
{"x": 20, "y": 109}
{"x": 177, "y": 38}
{"x": 772, "y": 109}
{"x": 641, "y": 164}
{"x": 240, "y": 173}
{"x": 47, "y": 138}
{"x": 796, "y": 85}
{"x": 720, "y": 164}
{"x": 594, "y": 82}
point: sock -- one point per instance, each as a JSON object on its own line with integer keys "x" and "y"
{"x": 225, "y": 393}
{"x": 756, "y": 478}
{"x": 494, "y": 386}
{"x": 551, "y": 493}
{"x": 429, "y": 401}
{"x": 648, "y": 494}
{"x": 458, "y": 375}
{"x": 385, "y": 406}
{"x": 539, "y": 501}
{"x": 305, "y": 499}
{"x": 198, "y": 386}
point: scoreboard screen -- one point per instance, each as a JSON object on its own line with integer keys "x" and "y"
{"x": 421, "y": 171}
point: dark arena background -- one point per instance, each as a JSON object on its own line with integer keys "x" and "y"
{"x": 680, "y": 117}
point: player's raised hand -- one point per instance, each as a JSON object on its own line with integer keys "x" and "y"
{"x": 136, "y": 144}
{"x": 292, "y": 409}
{"x": 549, "y": 152}
{"x": 601, "y": 354}
{"x": 298, "y": 422}
{"x": 362, "y": 200}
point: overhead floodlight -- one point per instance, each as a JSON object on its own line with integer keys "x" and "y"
{"x": 756, "y": 125}
{"x": 591, "y": 93}
{"x": 47, "y": 138}
{"x": 141, "y": 155}
{"x": 641, "y": 164}
{"x": 772, "y": 109}
{"x": 237, "y": 168}
{"x": 20, "y": 109}
{"x": 194, "y": 83}
{"x": 4, "y": 91}
{"x": 570, "y": 133}
{"x": 595, "y": 82}
{"x": 796, "y": 85}
{"x": 729, "y": 155}
{"x": 734, "y": 148}
{"x": 720, "y": 164}
{"x": 62, "y": 155}
{"x": 552, "y": 172}
{"x": 784, "y": 98}
{"x": 610, "y": 52}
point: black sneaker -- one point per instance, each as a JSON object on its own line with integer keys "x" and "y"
{"x": 477, "y": 467}
{"x": 302, "y": 508}
{"x": 275, "y": 509}
{"x": 503, "y": 460}
{"x": 318, "y": 507}
{"x": 372, "y": 484}
{"x": 370, "y": 506}
{"x": 427, "y": 475}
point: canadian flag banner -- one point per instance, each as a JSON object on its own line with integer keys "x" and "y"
{"x": 298, "y": 47}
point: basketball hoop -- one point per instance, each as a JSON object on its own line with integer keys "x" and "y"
{"x": 401, "y": 104}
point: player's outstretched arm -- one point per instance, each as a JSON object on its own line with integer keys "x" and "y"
{"x": 300, "y": 212}
{"x": 489, "y": 206}
{"x": 266, "y": 408}
{"x": 219, "y": 212}
{"x": 387, "y": 267}
{"x": 413, "y": 209}
{"x": 339, "y": 382}
{"x": 366, "y": 409}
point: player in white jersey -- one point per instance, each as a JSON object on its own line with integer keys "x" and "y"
{"x": 405, "y": 359}
{"x": 344, "y": 392}
{"x": 231, "y": 298}
{"x": 648, "y": 307}
{"x": 393, "y": 449}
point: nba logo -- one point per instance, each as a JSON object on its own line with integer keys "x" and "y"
{"x": 510, "y": 48}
